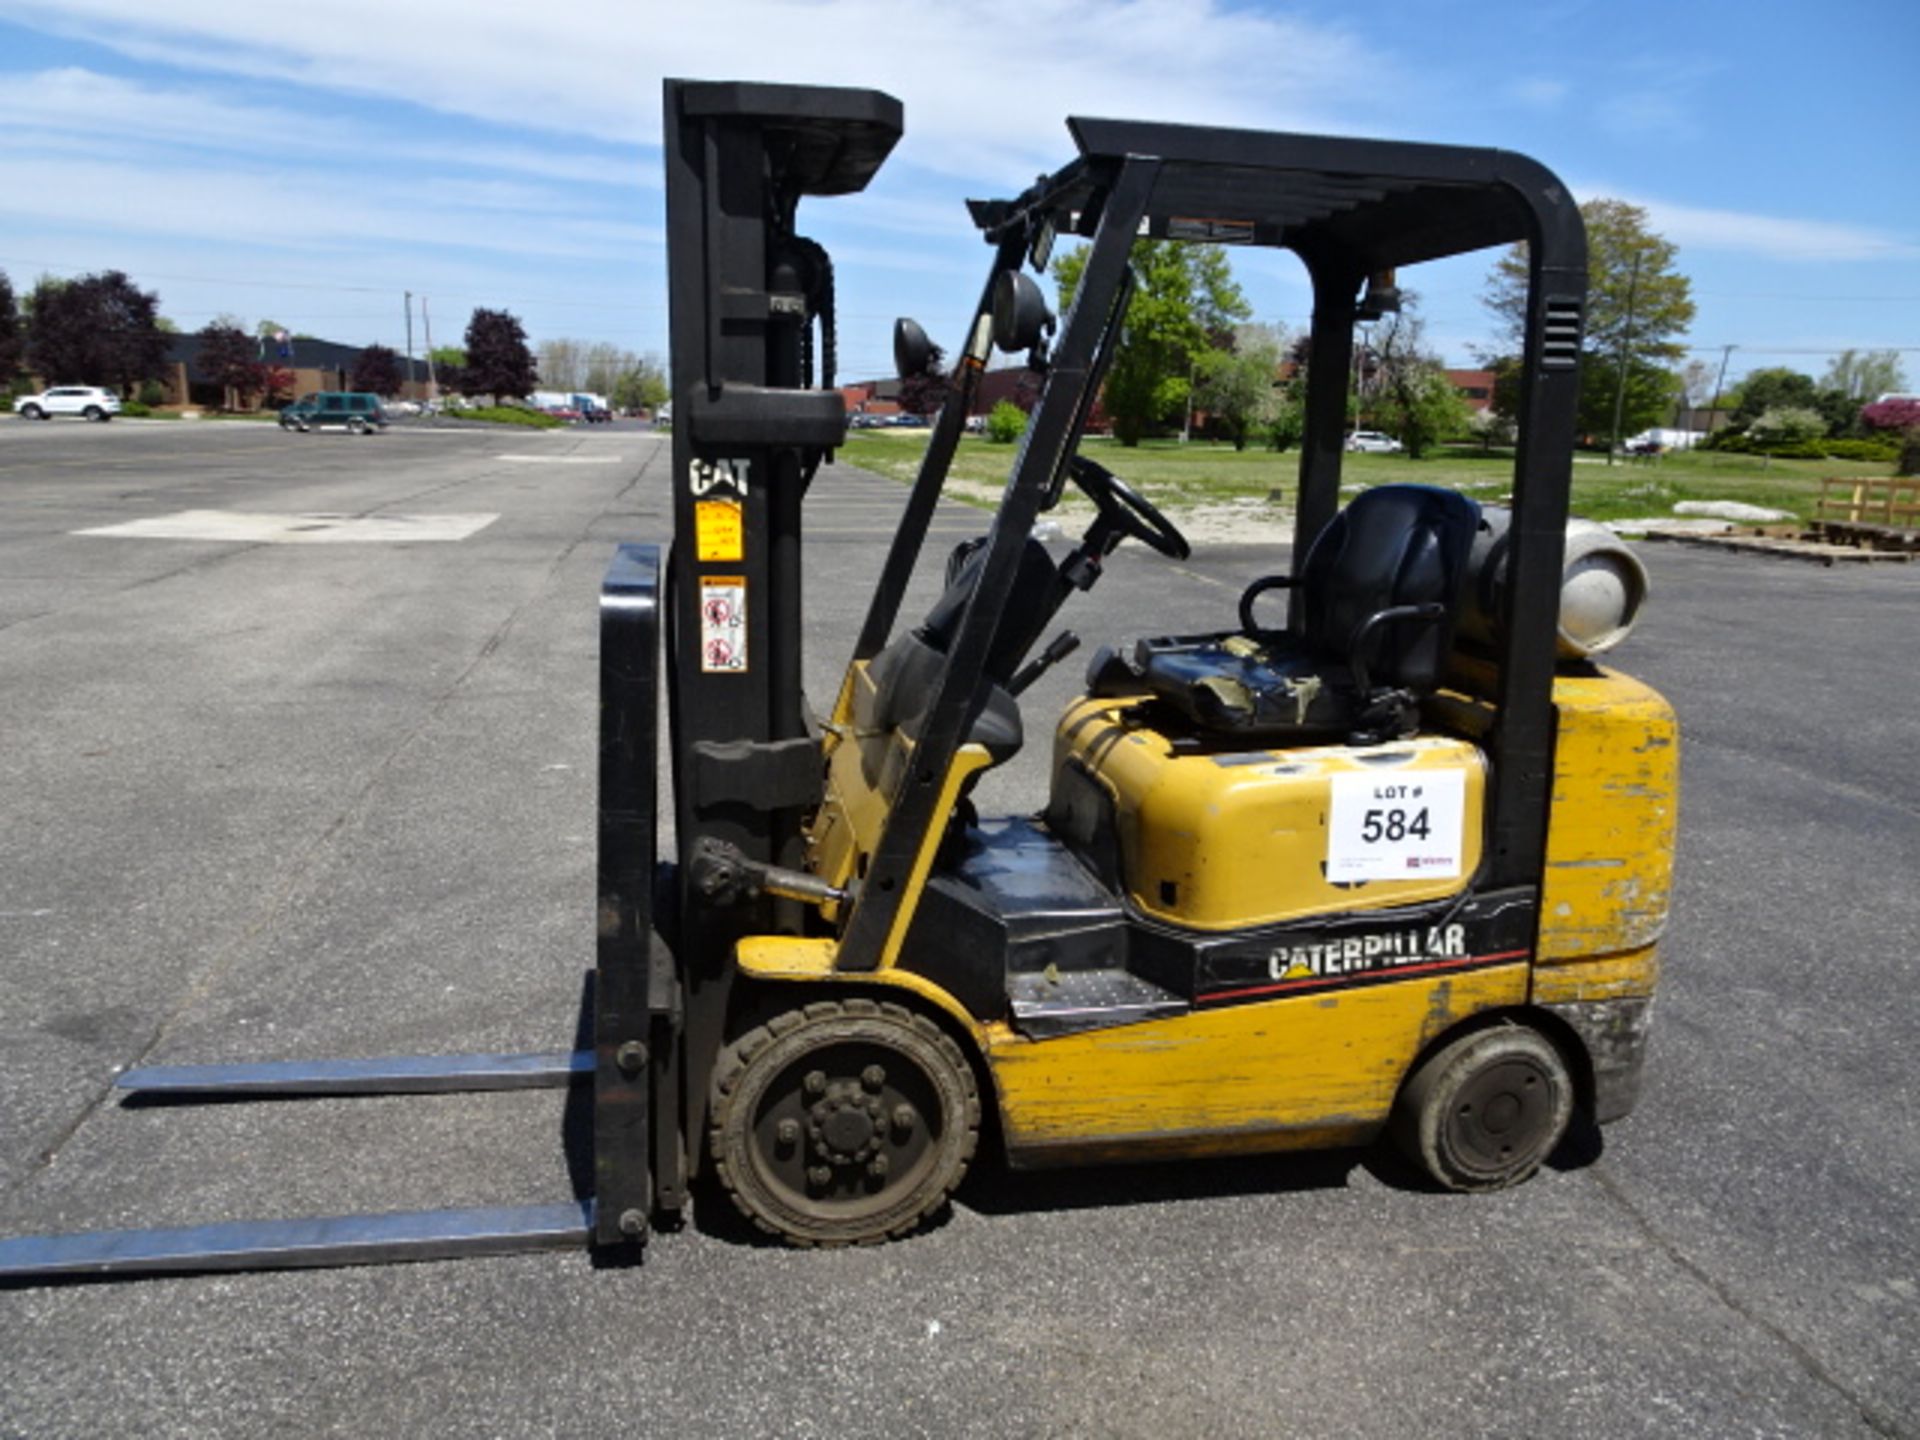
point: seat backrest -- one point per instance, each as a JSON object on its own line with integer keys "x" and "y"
{"x": 1393, "y": 545}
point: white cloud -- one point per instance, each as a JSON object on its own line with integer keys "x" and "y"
{"x": 1539, "y": 94}
{"x": 1775, "y": 237}
{"x": 76, "y": 109}
{"x": 985, "y": 85}
{"x": 285, "y": 211}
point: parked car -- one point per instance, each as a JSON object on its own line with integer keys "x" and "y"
{"x": 1372, "y": 442}
{"x": 90, "y": 402}
{"x": 350, "y": 410}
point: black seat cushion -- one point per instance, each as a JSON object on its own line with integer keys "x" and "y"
{"x": 1395, "y": 545}
{"x": 905, "y": 672}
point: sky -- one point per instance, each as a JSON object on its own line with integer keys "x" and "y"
{"x": 312, "y": 167}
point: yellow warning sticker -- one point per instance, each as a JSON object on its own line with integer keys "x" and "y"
{"x": 718, "y": 531}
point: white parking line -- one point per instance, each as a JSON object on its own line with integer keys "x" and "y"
{"x": 562, "y": 459}
{"x": 312, "y": 529}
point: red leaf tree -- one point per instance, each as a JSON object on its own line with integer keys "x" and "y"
{"x": 228, "y": 357}
{"x": 377, "y": 371}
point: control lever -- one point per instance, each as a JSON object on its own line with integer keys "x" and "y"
{"x": 1061, "y": 646}
{"x": 725, "y": 876}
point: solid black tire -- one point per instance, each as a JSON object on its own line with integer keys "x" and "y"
{"x": 1485, "y": 1110}
{"x": 749, "y": 1066}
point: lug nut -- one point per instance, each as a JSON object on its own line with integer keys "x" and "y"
{"x": 873, "y": 1077}
{"x": 877, "y": 1167}
{"x": 903, "y": 1117}
{"x": 787, "y": 1132}
{"x": 819, "y": 1176}
{"x": 816, "y": 1082}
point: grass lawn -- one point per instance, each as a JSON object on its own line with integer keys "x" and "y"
{"x": 1179, "y": 476}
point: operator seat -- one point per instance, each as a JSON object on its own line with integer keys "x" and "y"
{"x": 1379, "y": 593}
{"x": 905, "y": 672}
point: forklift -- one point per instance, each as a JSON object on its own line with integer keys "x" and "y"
{"x": 1385, "y": 853}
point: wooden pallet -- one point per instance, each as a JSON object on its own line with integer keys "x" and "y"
{"x": 1875, "y": 514}
{"x": 1820, "y": 552}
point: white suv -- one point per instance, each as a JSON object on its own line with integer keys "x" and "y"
{"x": 89, "y": 401}
{"x": 1372, "y": 442}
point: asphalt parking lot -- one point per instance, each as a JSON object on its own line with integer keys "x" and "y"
{"x": 302, "y": 789}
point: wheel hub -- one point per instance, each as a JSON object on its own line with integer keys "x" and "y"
{"x": 846, "y": 1125}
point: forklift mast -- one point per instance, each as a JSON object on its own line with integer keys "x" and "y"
{"x": 755, "y": 412}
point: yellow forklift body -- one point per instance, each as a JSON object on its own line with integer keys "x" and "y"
{"x": 1610, "y": 829}
{"x": 1244, "y": 844}
{"x": 1226, "y": 840}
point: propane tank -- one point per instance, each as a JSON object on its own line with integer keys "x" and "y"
{"x": 1602, "y": 585}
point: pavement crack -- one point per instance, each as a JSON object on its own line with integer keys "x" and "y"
{"x": 1810, "y": 1363}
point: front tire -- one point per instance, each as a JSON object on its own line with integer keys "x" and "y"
{"x": 843, "y": 1123}
{"x": 1486, "y": 1110}
{"x": 32, "y": 412}
{"x": 94, "y": 413}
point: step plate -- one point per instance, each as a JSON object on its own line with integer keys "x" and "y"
{"x": 300, "y": 1244}
{"x": 391, "y": 1075}
{"x": 1063, "y": 1002}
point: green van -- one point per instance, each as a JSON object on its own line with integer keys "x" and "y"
{"x": 351, "y": 410}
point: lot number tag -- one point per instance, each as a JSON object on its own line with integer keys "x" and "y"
{"x": 1409, "y": 826}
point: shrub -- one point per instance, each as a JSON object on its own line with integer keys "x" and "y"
{"x": 137, "y": 409}
{"x": 152, "y": 393}
{"x": 1787, "y": 425}
{"x": 1909, "y": 462}
{"x": 1006, "y": 423}
{"x": 1884, "y": 448}
{"x": 513, "y": 415}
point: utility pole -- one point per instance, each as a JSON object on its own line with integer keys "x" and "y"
{"x": 409, "y": 295}
{"x": 1713, "y": 412}
{"x": 1626, "y": 339}
{"x": 433, "y": 385}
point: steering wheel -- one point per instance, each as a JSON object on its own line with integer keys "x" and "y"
{"x": 1124, "y": 510}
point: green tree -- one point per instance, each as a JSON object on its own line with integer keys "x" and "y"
{"x": 1238, "y": 385}
{"x": 1864, "y": 377}
{"x": 1638, "y": 307}
{"x": 1775, "y": 388}
{"x": 1409, "y": 393}
{"x": 1185, "y": 300}
{"x": 642, "y": 385}
{"x": 1788, "y": 425}
{"x": 498, "y": 360}
{"x": 1006, "y": 423}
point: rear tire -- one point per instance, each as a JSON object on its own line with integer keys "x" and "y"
{"x": 844, "y": 1123}
{"x": 1486, "y": 1110}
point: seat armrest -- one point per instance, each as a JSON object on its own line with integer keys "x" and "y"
{"x": 1254, "y": 592}
{"x": 1429, "y": 613}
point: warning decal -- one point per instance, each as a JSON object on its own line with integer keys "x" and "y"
{"x": 723, "y": 624}
{"x": 718, "y": 531}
